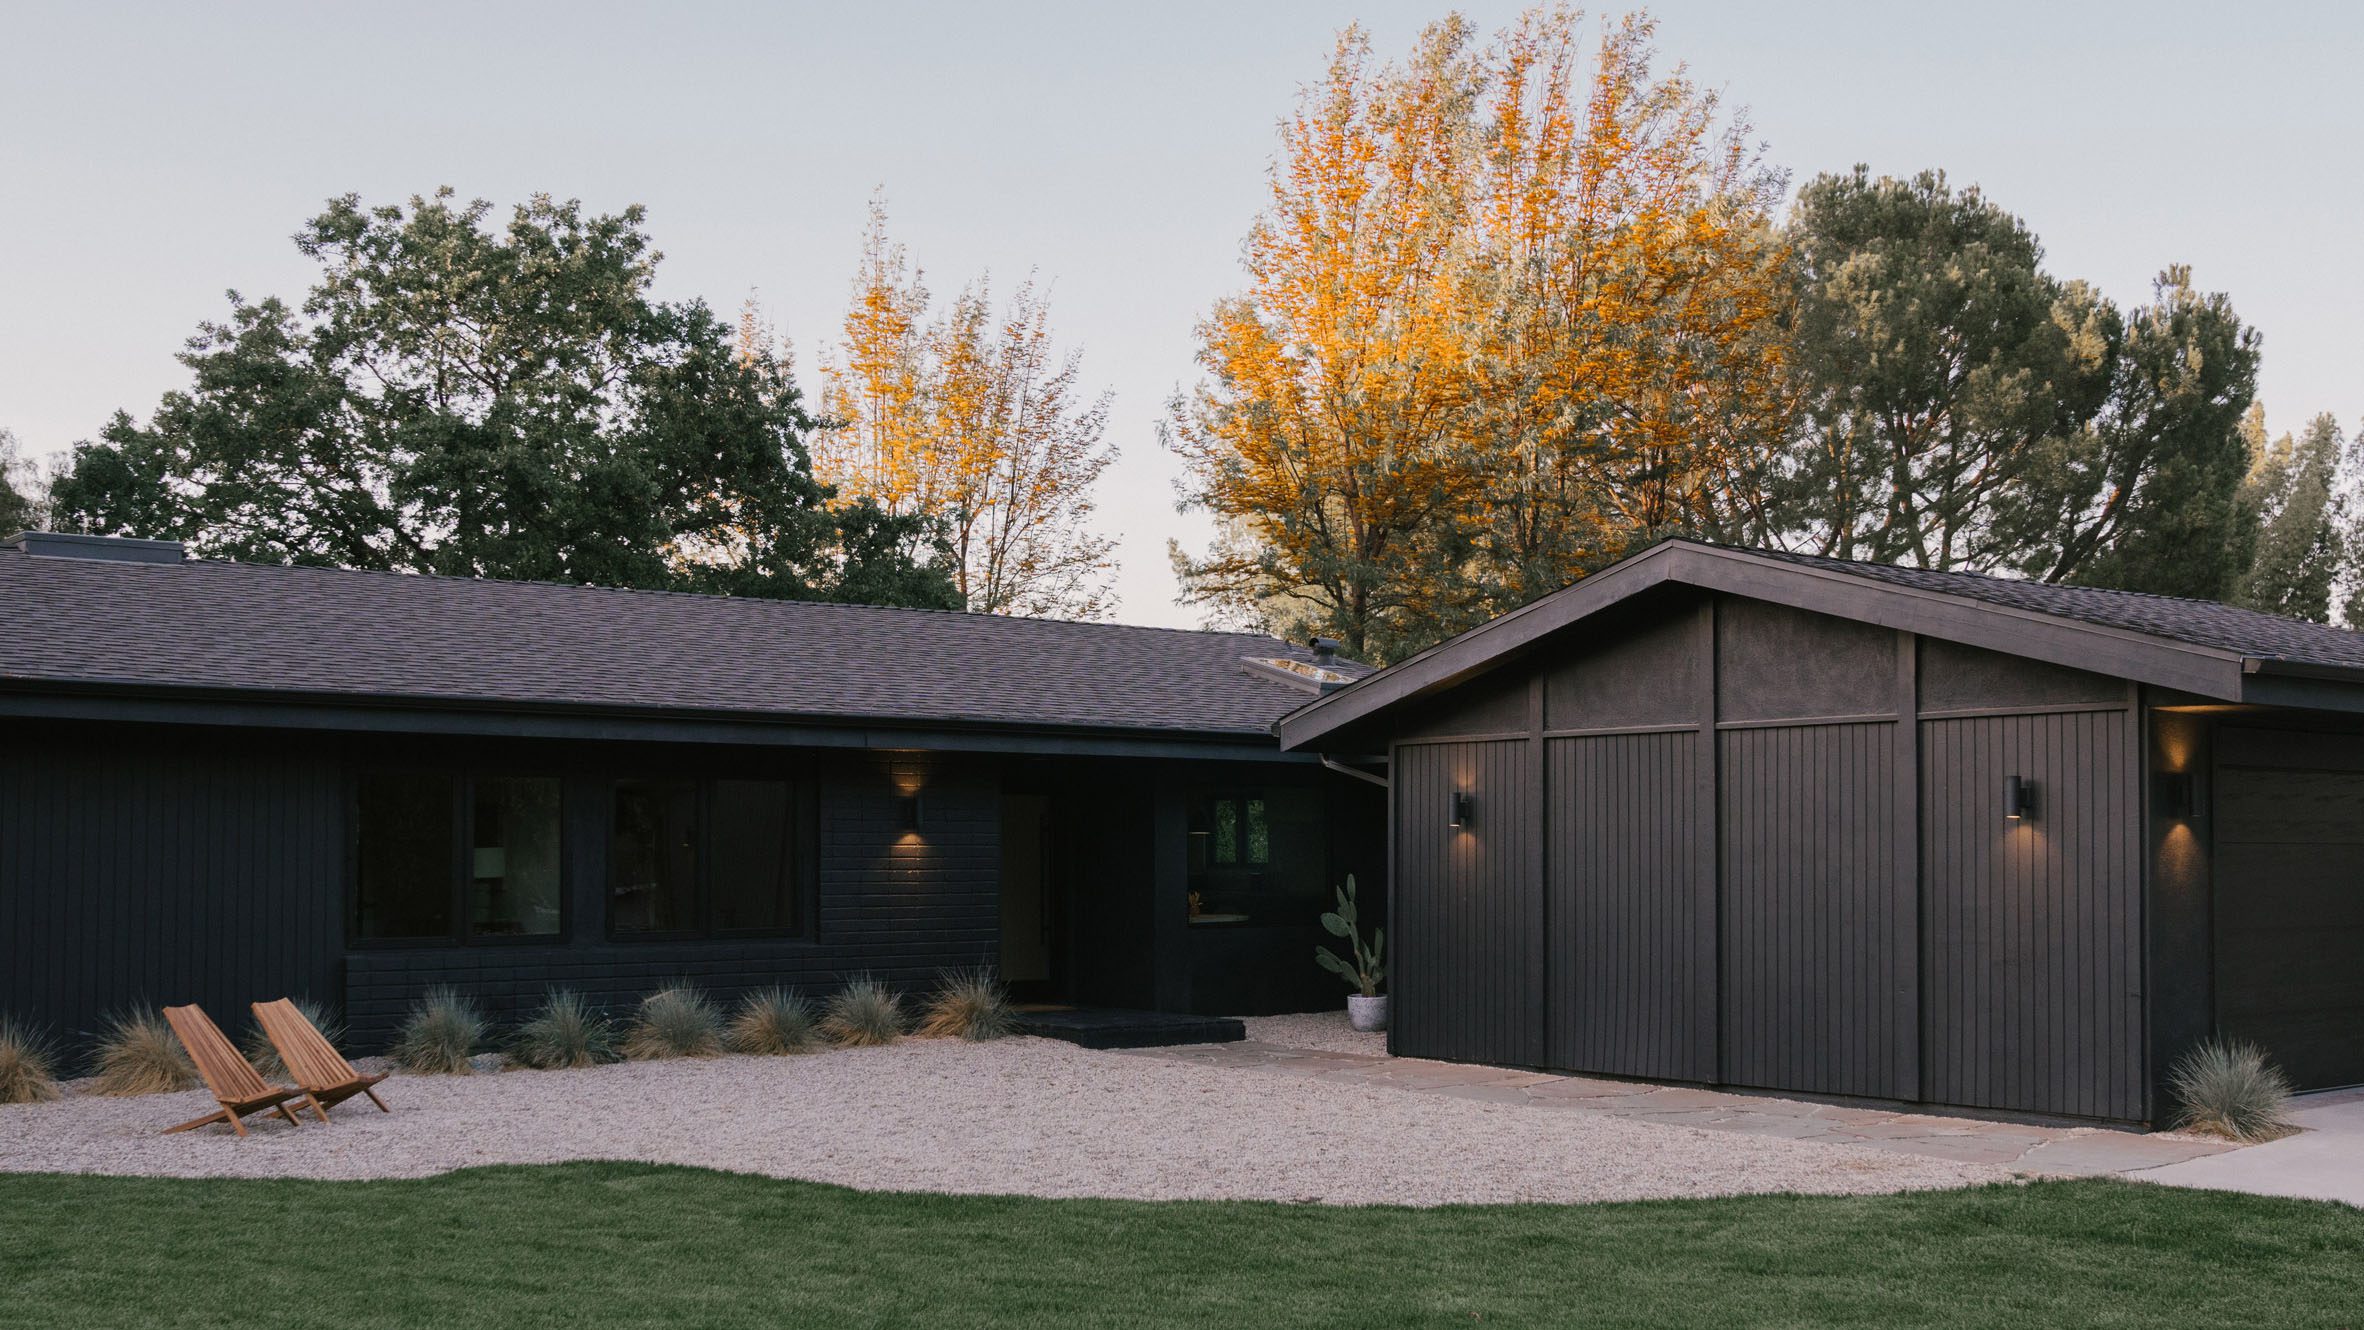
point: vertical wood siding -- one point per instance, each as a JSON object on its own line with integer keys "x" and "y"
{"x": 1463, "y": 939}
{"x": 195, "y": 869}
{"x": 1817, "y": 993}
{"x": 1625, "y": 997}
{"x": 2033, "y": 937}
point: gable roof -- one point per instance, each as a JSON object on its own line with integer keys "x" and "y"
{"x": 2201, "y": 647}
{"x": 118, "y": 624}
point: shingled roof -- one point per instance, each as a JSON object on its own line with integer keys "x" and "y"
{"x": 2195, "y": 647}
{"x": 118, "y": 623}
{"x": 2205, "y": 623}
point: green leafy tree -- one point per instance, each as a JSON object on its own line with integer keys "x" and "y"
{"x": 20, "y": 489}
{"x": 2293, "y": 490}
{"x": 1966, "y": 409}
{"x": 463, "y": 398}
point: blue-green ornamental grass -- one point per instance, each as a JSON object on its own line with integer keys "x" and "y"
{"x": 439, "y": 1036}
{"x": 863, "y": 1014}
{"x": 773, "y": 1022}
{"x": 674, "y": 1022}
{"x": 566, "y": 1031}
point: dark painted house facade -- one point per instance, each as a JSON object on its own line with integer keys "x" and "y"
{"x": 1773, "y": 821}
{"x": 223, "y": 782}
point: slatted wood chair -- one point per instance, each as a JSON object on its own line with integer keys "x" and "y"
{"x": 312, "y": 1061}
{"x": 236, "y": 1085}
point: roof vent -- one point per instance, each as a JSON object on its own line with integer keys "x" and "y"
{"x": 118, "y": 549}
{"x": 1325, "y": 651}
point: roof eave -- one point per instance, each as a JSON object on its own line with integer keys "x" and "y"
{"x": 2068, "y": 642}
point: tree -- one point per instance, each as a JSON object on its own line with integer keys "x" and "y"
{"x": 972, "y": 417}
{"x": 455, "y": 398}
{"x": 1500, "y": 325}
{"x": 21, "y": 506}
{"x": 1965, "y": 409}
{"x": 2292, "y": 491}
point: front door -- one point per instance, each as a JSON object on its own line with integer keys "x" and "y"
{"x": 1027, "y": 917}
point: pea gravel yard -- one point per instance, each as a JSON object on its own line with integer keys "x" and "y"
{"x": 1016, "y": 1116}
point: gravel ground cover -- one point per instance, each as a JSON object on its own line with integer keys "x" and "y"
{"x": 1321, "y": 1031}
{"x": 1026, "y": 1116}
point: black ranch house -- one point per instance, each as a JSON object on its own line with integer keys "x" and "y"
{"x": 224, "y": 782}
{"x": 1835, "y": 828}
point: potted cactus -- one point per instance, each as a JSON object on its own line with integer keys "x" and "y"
{"x": 1366, "y": 1007}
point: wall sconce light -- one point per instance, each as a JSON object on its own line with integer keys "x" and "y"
{"x": 907, "y": 814}
{"x": 2175, "y": 794}
{"x": 2019, "y": 798}
{"x": 1464, "y": 808}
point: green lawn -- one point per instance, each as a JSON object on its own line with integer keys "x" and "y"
{"x": 607, "y": 1244}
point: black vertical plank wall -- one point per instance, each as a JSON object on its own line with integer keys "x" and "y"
{"x": 2035, "y": 943}
{"x": 1812, "y": 992}
{"x": 1463, "y": 942}
{"x": 1624, "y": 994}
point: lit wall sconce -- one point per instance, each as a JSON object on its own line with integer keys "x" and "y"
{"x": 907, "y": 812}
{"x": 2019, "y": 798}
{"x": 2176, "y": 797}
{"x": 1464, "y": 809}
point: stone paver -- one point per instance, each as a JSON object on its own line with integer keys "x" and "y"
{"x": 2325, "y": 1162}
{"x": 2022, "y": 1147}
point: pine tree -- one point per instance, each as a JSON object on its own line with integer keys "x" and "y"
{"x": 2292, "y": 488}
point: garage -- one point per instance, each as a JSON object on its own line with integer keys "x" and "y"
{"x": 1836, "y": 829}
{"x": 2289, "y": 933}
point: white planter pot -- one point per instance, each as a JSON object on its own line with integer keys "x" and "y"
{"x": 1366, "y": 1013}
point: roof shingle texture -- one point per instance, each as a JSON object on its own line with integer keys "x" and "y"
{"x": 213, "y": 625}
{"x": 2203, "y": 623}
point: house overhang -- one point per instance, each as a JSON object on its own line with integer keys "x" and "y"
{"x": 147, "y": 704}
{"x": 2207, "y": 672}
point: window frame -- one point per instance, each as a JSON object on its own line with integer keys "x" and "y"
{"x": 460, "y": 869}
{"x": 803, "y": 865}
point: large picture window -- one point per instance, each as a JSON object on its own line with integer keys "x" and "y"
{"x": 440, "y": 856}
{"x": 716, "y": 857}
{"x": 1257, "y": 854}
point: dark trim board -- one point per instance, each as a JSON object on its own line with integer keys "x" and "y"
{"x": 28, "y": 702}
{"x": 2209, "y": 672}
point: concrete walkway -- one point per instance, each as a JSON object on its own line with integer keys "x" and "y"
{"x": 2034, "y": 1150}
{"x": 2325, "y": 1162}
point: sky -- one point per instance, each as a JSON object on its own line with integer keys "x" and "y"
{"x": 154, "y": 157}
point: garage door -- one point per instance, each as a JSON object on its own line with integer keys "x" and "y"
{"x": 2290, "y": 916}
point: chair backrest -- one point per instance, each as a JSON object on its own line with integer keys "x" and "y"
{"x": 226, "y": 1071}
{"x": 311, "y": 1059}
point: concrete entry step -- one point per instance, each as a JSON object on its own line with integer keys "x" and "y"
{"x": 1116, "y": 1027}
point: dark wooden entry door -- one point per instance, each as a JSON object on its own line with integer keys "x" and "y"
{"x": 2290, "y": 917}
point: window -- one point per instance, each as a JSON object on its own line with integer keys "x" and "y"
{"x": 444, "y": 857}
{"x": 1255, "y": 853}
{"x": 405, "y": 824}
{"x": 513, "y": 882}
{"x": 653, "y": 860}
{"x": 707, "y": 857}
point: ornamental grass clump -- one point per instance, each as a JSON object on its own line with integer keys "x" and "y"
{"x": 564, "y": 1032}
{"x": 138, "y": 1054}
{"x": 772, "y": 1022}
{"x": 675, "y": 1022}
{"x": 259, "y": 1050}
{"x": 440, "y": 1034}
{"x": 863, "y": 1014}
{"x": 28, "y": 1064}
{"x": 2227, "y": 1088}
{"x": 968, "y": 1004}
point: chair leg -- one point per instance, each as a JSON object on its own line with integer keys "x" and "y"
{"x": 235, "y": 1124}
{"x": 218, "y": 1115}
{"x": 292, "y": 1119}
{"x": 318, "y": 1110}
{"x": 373, "y": 1098}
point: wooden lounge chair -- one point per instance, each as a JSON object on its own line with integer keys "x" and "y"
{"x": 236, "y": 1085}
{"x": 312, "y": 1061}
